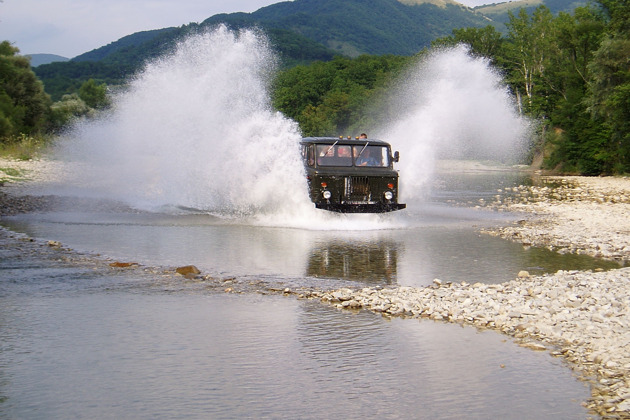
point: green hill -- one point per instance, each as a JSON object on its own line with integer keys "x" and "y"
{"x": 355, "y": 27}
{"x": 302, "y": 31}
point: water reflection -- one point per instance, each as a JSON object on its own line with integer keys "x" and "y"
{"x": 369, "y": 262}
{"x": 438, "y": 242}
{"x": 100, "y": 353}
{"x": 467, "y": 188}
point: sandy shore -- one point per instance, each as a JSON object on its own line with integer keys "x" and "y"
{"x": 583, "y": 317}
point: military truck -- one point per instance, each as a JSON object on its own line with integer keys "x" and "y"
{"x": 349, "y": 175}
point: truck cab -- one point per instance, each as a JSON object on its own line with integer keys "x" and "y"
{"x": 351, "y": 175}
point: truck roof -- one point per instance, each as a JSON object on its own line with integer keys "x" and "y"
{"x": 343, "y": 140}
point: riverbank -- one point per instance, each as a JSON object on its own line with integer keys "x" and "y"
{"x": 571, "y": 215}
{"x": 583, "y": 317}
{"x": 579, "y": 316}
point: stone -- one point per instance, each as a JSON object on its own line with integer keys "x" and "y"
{"x": 118, "y": 264}
{"x": 187, "y": 270}
{"x": 533, "y": 346}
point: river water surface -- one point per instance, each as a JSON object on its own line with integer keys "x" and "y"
{"x": 83, "y": 343}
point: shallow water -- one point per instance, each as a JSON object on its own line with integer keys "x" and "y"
{"x": 437, "y": 238}
{"x": 77, "y": 342}
{"x": 122, "y": 354}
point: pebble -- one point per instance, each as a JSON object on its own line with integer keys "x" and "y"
{"x": 579, "y": 215}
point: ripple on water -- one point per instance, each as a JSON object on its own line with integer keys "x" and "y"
{"x": 190, "y": 355}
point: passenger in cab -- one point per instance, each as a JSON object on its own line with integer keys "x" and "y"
{"x": 365, "y": 157}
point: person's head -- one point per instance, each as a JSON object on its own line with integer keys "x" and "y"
{"x": 363, "y": 136}
{"x": 344, "y": 151}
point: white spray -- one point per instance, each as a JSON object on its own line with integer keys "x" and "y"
{"x": 451, "y": 105}
{"x": 196, "y": 129}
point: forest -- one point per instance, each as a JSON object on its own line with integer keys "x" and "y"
{"x": 569, "y": 72}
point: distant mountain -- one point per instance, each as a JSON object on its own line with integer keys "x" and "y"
{"x": 39, "y": 59}
{"x": 133, "y": 41}
{"x": 301, "y": 31}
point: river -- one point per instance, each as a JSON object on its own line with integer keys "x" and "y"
{"x": 80, "y": 342}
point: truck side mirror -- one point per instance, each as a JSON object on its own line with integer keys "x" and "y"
{"x": 396, "y": 156}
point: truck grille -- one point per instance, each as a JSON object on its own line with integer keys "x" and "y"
{"x": 357, "y": 188}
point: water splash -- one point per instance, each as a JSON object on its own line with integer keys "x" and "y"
{"x": 195, "y": 129}
{"x": 451, "y": 105}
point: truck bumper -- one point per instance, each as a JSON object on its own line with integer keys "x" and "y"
{"x": 360, "y": 208}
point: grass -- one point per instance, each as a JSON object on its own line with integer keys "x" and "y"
{"x": 11, "y": 172}
{"x": 23, "y": 147}
{"x": 11, "y": 175}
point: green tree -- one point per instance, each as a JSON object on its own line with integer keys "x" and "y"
{"x": 93, "y": 94}
{"x": 609, "y": 94}
{"x": 579, "y": 36}
{"x": 485, "y": 42}
{"x": 24, "y": 106}
{"x": 70, "y": 107}
{"x": 531, "y": 44}
{"x": 578, "y": 140}
{"x": 618, "y": 12}
{"x": 331, "y": 98}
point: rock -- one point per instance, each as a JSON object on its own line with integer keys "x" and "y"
{"x": 624, "y": 406}
{"x": 523, "y": 274}
{"x": 533, "y": 346}
{"x": 118, "y": 264}
{"x": 188, "y": 270}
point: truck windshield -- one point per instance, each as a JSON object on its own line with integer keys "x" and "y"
{"x": 347, "y": 155}
{"x": 375, "y": 156}
{"x": 334, "y": 155}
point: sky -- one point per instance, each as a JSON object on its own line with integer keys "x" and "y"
{"x": 72, "y": 27}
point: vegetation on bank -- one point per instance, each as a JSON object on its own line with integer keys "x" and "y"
{"x": 570, "y": 72}
{"x": 28, "y": 117}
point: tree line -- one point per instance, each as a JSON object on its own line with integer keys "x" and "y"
{"x": 27, "y": 113}
{"x": 569, "y": 72}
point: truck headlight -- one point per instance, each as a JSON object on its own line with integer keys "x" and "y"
{"x": 327, "y": 194}
{"x": 389, "y": 195}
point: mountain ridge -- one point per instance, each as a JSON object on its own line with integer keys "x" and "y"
{"x": 301, "y": 31}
